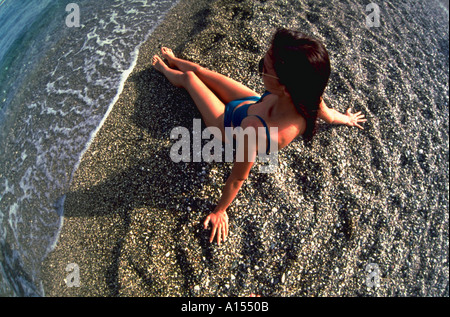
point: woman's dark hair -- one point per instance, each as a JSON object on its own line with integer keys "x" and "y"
{"x": 303, "y": 66}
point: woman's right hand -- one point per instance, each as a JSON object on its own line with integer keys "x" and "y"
{"x": 219, "y": 223}
{"x": 355, "y": 118}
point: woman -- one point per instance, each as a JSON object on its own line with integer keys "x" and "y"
{"x": 295, "y": 71}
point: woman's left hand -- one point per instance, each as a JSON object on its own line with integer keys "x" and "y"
{"x": 219, "y": 222}
{"x": 355, "y": 118}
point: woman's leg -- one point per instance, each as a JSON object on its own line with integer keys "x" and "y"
{"x": 226, "y": 88}
{"x": 211, "y": 107}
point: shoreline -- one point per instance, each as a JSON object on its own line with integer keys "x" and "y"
{"x": 133, "y": 217}
{"x": 69, "y": 231}
{"x": 124, "y": 78}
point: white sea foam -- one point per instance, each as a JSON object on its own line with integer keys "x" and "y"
{"x": 79, "y": 78}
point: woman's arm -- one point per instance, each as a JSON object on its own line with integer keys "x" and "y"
{"x": 332, "y": 116}
{"x": 239, "y": 173}
{"x": 219, "y": 218}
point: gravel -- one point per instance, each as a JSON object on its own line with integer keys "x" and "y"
{"x": 379, "y": 196}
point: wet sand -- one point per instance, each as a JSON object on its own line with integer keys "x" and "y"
{"x": 133, "y": 218}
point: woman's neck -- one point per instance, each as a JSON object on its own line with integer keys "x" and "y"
{"x": 283, "y": 106}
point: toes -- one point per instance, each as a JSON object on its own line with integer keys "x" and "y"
{"x": 157, "y": 62}
{"x": 166, "y": 51}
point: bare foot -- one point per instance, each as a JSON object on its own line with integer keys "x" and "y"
{"x": 173, "y": 75}
{"x": 168, "y": 54}
{"x": 158, "y": 63}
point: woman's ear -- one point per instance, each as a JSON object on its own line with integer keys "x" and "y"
{"x": 285, "y": 92}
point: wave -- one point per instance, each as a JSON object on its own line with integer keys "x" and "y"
{"x": 57, "y": 94}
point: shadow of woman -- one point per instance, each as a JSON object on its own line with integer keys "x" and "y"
{"x": 129, "y": 202}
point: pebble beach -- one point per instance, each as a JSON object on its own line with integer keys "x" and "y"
{"x": 354, "y": 199}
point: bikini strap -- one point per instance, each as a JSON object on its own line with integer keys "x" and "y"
{"x": 267, "y": 133}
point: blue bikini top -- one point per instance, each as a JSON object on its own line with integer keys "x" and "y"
{"x": 241, "y": 113}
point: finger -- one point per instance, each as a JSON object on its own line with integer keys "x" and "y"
{"x": 357, "y": 125}
{"x": 226, "y": 228}
{"x": 224, "y": 233}
{"x": 219, "y": 235}
{"x": 362, "y": 120}
{"x": 206, "y": 222}
{"x": 213, "y": 233}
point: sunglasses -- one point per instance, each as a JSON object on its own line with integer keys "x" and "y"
{"x": 261, "y": 69}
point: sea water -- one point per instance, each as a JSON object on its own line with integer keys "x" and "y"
{"x": 58, "y": 82}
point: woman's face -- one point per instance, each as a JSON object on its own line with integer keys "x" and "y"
{"x": 270, "y": 78}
